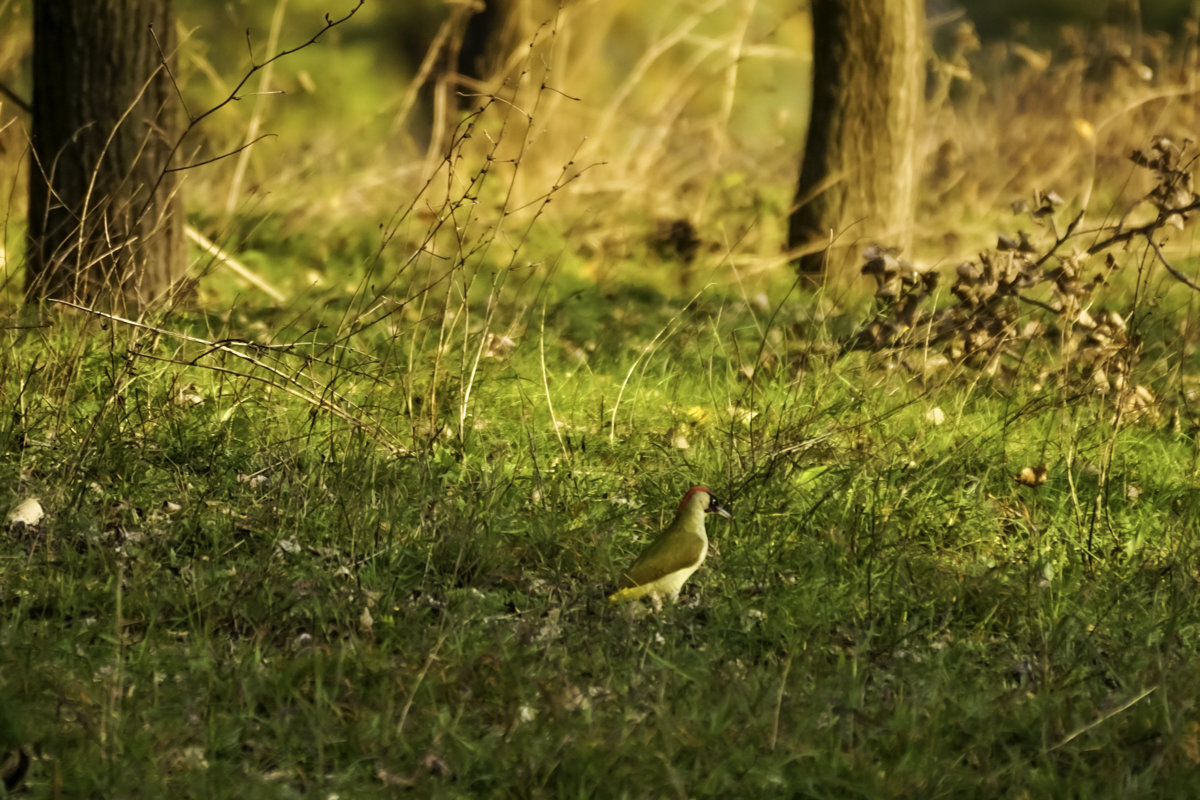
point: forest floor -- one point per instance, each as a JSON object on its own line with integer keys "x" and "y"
{"x": 360, "y": 541}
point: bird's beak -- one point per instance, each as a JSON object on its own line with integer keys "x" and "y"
{"x": 717, "y": 508}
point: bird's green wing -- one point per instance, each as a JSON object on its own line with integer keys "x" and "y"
{"x": 671, "y": 552}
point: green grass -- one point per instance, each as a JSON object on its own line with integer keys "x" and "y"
{"x": 234, "y": 595}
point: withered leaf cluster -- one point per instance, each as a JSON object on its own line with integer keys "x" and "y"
{"x": 1034, "y": 288}
{"x": 1172, "y": 194}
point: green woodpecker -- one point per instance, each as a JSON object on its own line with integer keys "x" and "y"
{"x": 678, "y": 551}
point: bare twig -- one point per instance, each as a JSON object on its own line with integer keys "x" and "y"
{"x": 165, "y": 60}
{"x": 211, "y": 248}
{"x": 1126, "y": 234}
{"x": 1105, "y": 717}
{"x": 1179, "y": 276}
{"x": 787, "y": 667}
{"x": 16, "y": 99}
{"x": 281, "y": 380}
{"x": 1033, "y": 301}
{"x": 221, "y": 157}
{"x": 234, "y": 94}
{"x": 1060, "y": 240}
{"x": 239, "y": 170}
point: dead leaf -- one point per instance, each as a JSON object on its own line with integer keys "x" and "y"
{"x": 255, "y": 481}
{"x": 188, "y": 395}
{"x": 499, "y": 346}
{"x": 394, "y": 780}
{"x": 288, "y": 546}
{"x": 1032, "y": 476}
{"x": 435, "y": 766}
{"x": 1191, "y": 743}
{"x": 26, "y": 515}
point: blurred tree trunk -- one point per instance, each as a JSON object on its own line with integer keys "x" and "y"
{"x": 105, "y": 220}
{"x": 483, "y": 35}
{"x": 858, "y": 176}
{"x": 488, "y": 37}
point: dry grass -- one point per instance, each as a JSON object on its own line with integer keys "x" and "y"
{"x": 693, "y": 114}
{"x": 1007, "y": 120}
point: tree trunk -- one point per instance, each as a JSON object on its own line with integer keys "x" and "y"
{"x": 858, "y": 176}
{"x": 105, "y": 220}
{"x": 491, "y": 36}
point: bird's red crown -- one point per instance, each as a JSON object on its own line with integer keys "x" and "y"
{"x": 689, "y": 494}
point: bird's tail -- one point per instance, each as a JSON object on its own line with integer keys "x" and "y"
{"x": 631, "y": 593}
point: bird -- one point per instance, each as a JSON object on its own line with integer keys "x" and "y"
{"x": 661, "y": 570}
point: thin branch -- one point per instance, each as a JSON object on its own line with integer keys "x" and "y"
{"x": 233, "y": 152}
{"x": 166, "y": 65}
{"x": 1060, "y": 240}
{"x": 19, "y": 101}
{"x": 1179, "y": 276}
{"x": 233, "y": 95}
{"x": 254, "y": 68}
{"x": 1143, "y": 230}
{"x": 1105, "y": 717}
{"x": 211, "y": 248}
{"x": 1035, "y": 302}
{"x": 250, "y": 49}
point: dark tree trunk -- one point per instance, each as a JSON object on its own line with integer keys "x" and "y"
{"x": 490, "y": 37}
{"x": 105, "y": 219}
{"x": 858, "y": 176}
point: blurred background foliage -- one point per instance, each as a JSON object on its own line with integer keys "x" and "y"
{"x": 689, "y": 111}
